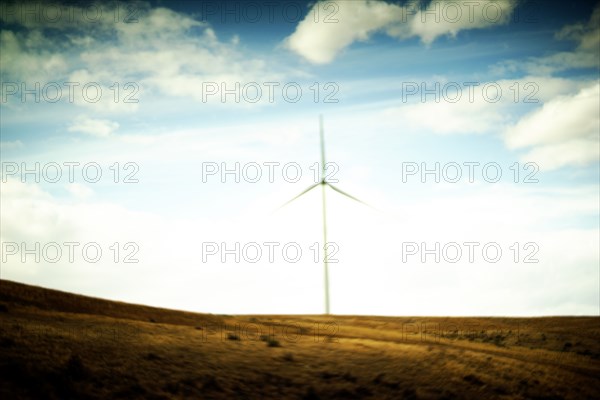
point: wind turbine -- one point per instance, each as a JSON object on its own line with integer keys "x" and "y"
{"x": 323, "y": 183}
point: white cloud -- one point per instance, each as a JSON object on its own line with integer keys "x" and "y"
{"x": 61, "y": 17}
{"x": 79, "y": 191}
{"x": 319, "y": 39}
{"x": 587, "y": 35}
{"x": 168, "y": 53}
{"x": 477, "y": 107}
{"x": 574, "y": 152}
{"x": 564, "y": 131}
{"x": 93, "y": 127}
{"x": 319, "y": 42}
{"x": 585, "y": 55}
{"x": 165, "y": 53}
{"x": 441, "y": 18}
{"x": 12, "y": 145}
{"x": 170, "y": 257}
{"x": 158, "y": 25}
{"x": 447, "y": 118}
{"x": 28, "y": 56}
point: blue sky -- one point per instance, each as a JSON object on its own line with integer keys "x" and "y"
{"x": 371, "y": 61}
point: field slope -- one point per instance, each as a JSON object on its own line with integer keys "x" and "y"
{"x": 59, "y": 345}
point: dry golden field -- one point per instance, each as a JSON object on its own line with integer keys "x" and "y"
{"x": 56, "y": 345}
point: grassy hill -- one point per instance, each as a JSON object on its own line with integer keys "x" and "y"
{"x": 60, "y": 345}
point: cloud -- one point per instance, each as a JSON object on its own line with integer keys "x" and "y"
{"x": 467, "y": 115}
{"x": 28, "y": 217}
{"x": 585, "y": 55}
{"x": 158, "y": 24}
{"x": 79, "y": 191}
{"x": 171, "y": 54}
{"x": 169, "y": 252}
{"x": 319, "y": 42}
{"x": 564, "y": 131}
{"x": 587, "y": 35}
{"x": 164, "y": 53}
{"x": 319, "y": 39}
{"x": 12, "y": 145}
{"x": 60, "y": 17}
{"x": 93, "y": 127}
{"x": 25, "y": 55}
{"x": 561, "y": 127}
{"x": 476, "y": 108}
{"x": 574, "y": 152}
{"x": 448, "y": 18}
{"x": 31, "y": 215}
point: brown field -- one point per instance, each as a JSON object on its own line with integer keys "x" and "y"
{"x": 58, "y": 345}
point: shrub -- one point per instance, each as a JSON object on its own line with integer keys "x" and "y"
{"x": 75, "y": 368}
{"x": 264, "y": 338}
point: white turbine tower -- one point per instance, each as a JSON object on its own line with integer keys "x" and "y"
{"x": 323, "y": 183}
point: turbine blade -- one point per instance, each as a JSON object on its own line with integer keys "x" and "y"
{"x": 301, "y": 194}
{"x": 347, "y": 195}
